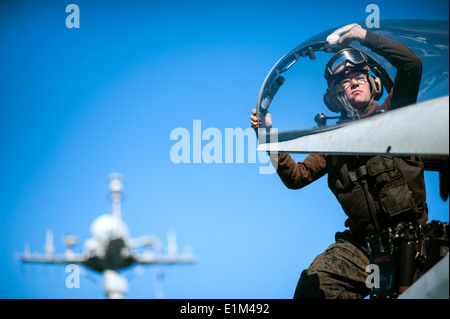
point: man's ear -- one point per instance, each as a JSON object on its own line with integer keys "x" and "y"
{"x": 376, "y": 87}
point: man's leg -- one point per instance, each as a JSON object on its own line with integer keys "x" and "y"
{"x": 339, "y": 272}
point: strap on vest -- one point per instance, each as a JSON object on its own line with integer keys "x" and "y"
{"x": 359, "y": 173}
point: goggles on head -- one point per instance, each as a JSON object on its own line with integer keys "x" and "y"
{"x": 343, "y": 60}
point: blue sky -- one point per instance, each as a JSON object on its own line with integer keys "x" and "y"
{"x": 79, "y": 104}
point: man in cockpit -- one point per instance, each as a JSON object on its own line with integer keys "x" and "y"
{"x": 375, "y": 192}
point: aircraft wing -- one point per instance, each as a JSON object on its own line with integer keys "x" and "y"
{"x": 142, "y": 259}
{"x": 49, "y": 257}
{"x": 420, "y": 129}
{"x": 167, "y": 260}
{"x": 54, "y": 259}
{"x": 434, "y": 284}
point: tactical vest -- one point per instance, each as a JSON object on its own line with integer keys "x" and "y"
{"x": 378, "y": 192}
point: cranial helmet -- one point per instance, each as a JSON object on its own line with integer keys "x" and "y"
{"x": 343, "y": 62}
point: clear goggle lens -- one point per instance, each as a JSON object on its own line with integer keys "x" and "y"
{"x": 346, "y": 58}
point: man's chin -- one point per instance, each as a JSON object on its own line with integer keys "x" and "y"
{"x": 358, "y": 105}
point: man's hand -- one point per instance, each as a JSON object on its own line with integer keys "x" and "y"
{"x": 347, "y": 34}
{"x": 255, "y": 123}
{"x": 357, "y": 33}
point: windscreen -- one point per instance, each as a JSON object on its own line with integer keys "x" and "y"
{"x": 293, "y": 90}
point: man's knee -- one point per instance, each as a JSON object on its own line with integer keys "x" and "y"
{"x": 322, "y": 285}
{"x": 308, "y": 286}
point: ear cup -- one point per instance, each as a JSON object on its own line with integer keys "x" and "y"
{"x": 330, "y": 102}
{"x": 376, "y": 87}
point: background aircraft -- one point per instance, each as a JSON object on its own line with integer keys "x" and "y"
{"x": 110, "y": 249}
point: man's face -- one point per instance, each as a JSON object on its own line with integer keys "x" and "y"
{"x": 357, "y": 89}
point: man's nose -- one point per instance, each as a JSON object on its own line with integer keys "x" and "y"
{"x": 354, "y": 82}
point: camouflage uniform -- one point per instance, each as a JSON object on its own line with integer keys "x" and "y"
{"x": 339, "y": 272}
